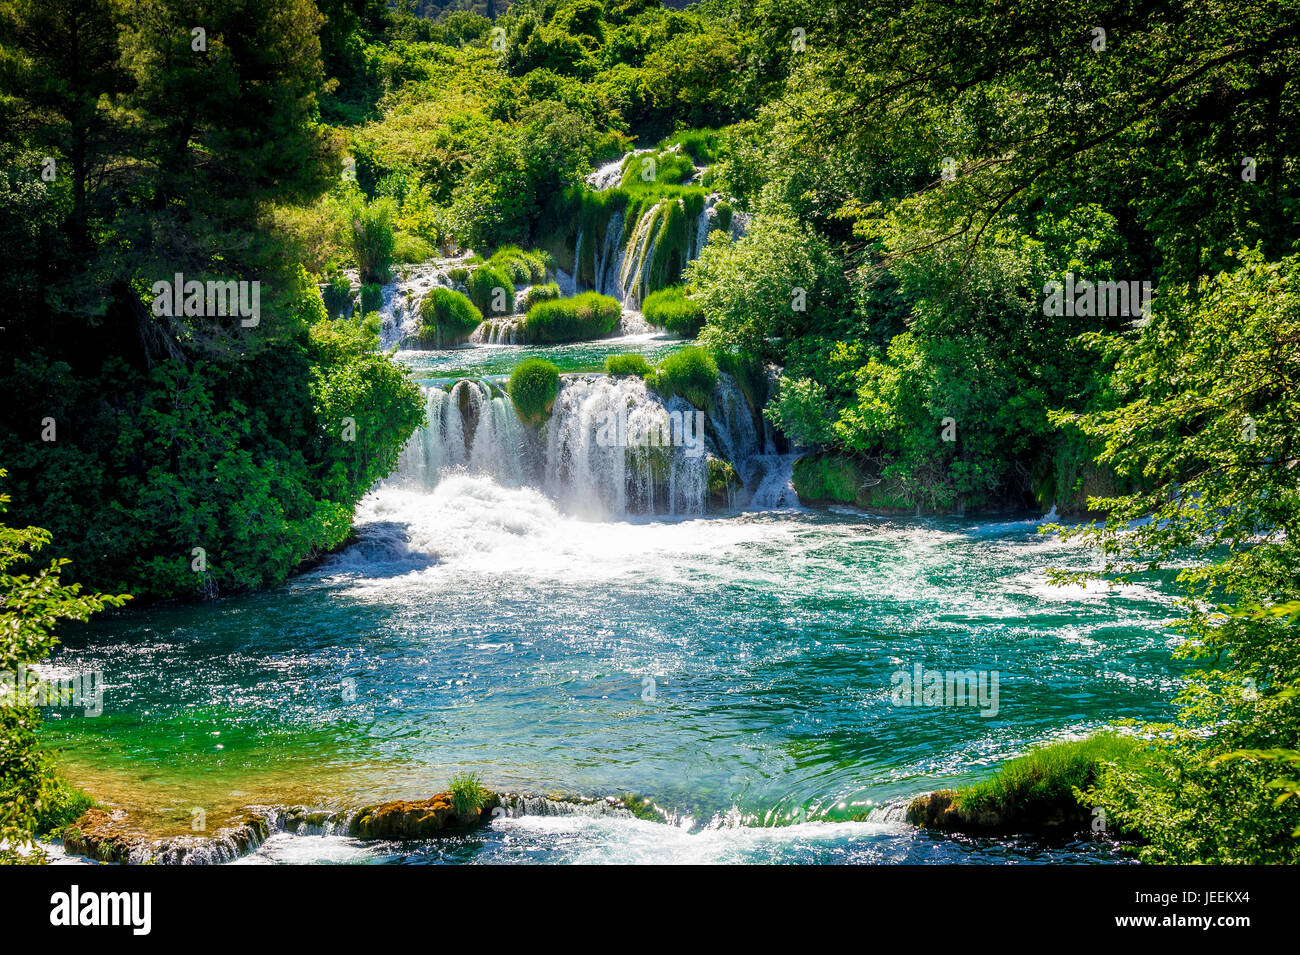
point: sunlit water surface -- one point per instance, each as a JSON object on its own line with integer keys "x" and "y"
{"x": 736, "y": 670}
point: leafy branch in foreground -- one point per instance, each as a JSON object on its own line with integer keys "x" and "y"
{"x": 1208, "y": 431}
{"x": 31, "y": 605}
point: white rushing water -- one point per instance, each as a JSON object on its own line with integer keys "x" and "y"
{"x": 611, "y": 447}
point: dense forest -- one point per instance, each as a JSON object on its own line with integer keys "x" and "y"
{"x": 1040, "y": 255}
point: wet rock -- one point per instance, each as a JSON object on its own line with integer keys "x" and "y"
{"x": 110, "y": 835}
{"x": 422, "y": 819}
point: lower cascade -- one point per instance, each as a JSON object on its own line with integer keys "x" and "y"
{"x": 611, "y": 448}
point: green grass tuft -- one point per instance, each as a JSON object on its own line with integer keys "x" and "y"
{"x": 492, "y": 290}
{"x": 467, "y": 794}
{"x": 447, "y": 317}
{"x": 1043, "y": 782}
{"x": 631, "y": 364}
{"x": 588, "y": 315}
{"x": 670, "y": 308}
{"x": 690, "y": 373}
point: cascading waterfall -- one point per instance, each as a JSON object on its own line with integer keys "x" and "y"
{"x": 611, "y": 448}
{"x": 472, "y": 426}
{"x": 608, "y": 450}
{"x": 399, "y": 313}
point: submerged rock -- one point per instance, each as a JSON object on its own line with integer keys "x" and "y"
{"x": 109, "y": 835}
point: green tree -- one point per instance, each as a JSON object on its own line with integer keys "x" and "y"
{"x": 31, "y": 607}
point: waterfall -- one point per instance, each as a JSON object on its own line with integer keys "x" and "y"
{"x": 610, "y": 449}
{"x": 499, "y": 331}
{"x": 399, "y": 315}
{"x": 591, "y": 469}
{"x": 470, "y": 426}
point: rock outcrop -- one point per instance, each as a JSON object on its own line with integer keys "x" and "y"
{"x": 422, "y": 819}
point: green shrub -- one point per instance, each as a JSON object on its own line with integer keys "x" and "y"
{"x": 522, "y": 267}
{"x": 337, "y": 294}
{"x": 533, "y": 386}
{"x": 670, "y": 308}
{"x": 447, "y": 317}
{"x": 458, "y": 274}
{"x": 722, "y": 216}
{"x": 589, "y": 315}
{"x": 700, "y": 144}
{"x": 412, "y": 248}
{"x": 690, "y": 373}
{"x": 372, "y": 297}
{"x": 632, "y": 364}
{"x": 483, "y": 291}
{"x": 370, "y": 226}
{"x": 61, "y": 805}
{"x": 656, "y": 168}
{"x": 467, "y": 794}
{"x": 541, "y": 293}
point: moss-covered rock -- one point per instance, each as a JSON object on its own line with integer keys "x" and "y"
{"x": 421, "y": 819}
{"x": 111, "y": 835}
{"x": 447, "y": 318}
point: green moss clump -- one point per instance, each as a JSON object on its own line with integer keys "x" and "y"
{"x": 663, "y": 167}
{"x": 722, "y": 216}
{"x": 532, "y": 388}
{"x": 690, "y": 373}
{"x": 458, "y": 274}
{"x": 522, "y": 267}
{"x": 670, "y": 308}
{"x": 723, "y": 480}
{"x": 372, "y": 297}
{"x": 642, "y": 808}
{"x": 700, "y": 144}
{"x": 489, "y": 286}
{"x": 447, "y": 317}
{"x": 540, "y": 293}
{"x": 820, "y": 478}
{"x": 337, "y": 294}
{"x": 411, "y": 248}
{"x": 631, "y": 364}
{"x": 588, "y": 315}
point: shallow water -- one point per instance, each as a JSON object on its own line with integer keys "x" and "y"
{"x": 736, "y": 670}
{"x": 489, "y": 361}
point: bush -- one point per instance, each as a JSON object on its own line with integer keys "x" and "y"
{"x": 522, "y": 267}
{"x": 61, "y": 805}
{"x": 589, "y": 315}
{"x": 459, "y": 274}
{"x": 690, "y": 373}
{"x": 370, "y": 226}
{"x": 722, "y": 216}
{"x": 372, "y": 297}
{"x": 411, "y": 248}
{"x": 660, "y": 168}
{"x": 467, "y": 795}
{"x": 337, "y": 294}
{"x": 670, "y": 308}
{"x": 484, "y": 284}
{"x": 541, "y": 293}
{"x": 533, "y": 387}
{"x": 447, "y": 317}
{"x": 632, "y": 364}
